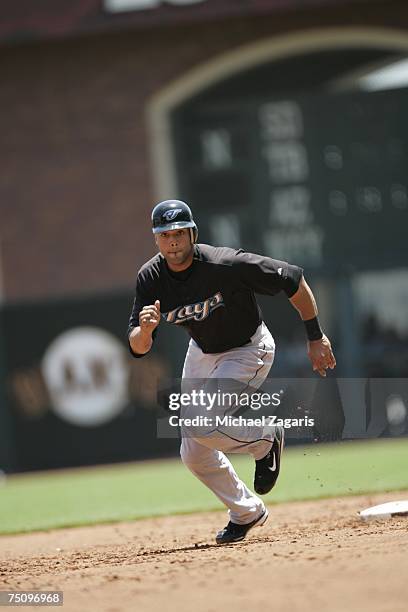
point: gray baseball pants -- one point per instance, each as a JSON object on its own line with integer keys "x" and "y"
{"x": 205, "y": 455}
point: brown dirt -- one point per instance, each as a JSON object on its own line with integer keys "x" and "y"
{"x": 309, "y": 556}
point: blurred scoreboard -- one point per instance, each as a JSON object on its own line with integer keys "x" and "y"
{"x": 320, "y": 180}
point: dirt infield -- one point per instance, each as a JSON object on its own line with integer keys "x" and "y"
{"x": 309, "y": 556}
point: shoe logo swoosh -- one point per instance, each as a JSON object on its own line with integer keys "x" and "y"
{"x": 273, "y": 467}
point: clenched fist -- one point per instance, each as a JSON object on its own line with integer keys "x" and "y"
{"x": 149, "y": 317}
{"x": 321, "y": 355}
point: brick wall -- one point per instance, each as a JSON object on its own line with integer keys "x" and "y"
{"x": 75, "y": 187}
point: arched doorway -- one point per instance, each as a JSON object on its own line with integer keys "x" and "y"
{"x": 285, "y": 148}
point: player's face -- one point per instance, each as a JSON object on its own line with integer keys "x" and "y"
{"x": 176, "y": 248}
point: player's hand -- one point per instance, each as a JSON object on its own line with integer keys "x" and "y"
{"x": 321, "y": 355}
{"x": 149, "y": 317}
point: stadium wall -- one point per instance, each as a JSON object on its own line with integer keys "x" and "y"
{"x": 78, "y": 181}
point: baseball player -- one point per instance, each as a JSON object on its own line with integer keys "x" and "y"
{"x": 210, "y": 291}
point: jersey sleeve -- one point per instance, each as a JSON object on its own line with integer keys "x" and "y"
{"x": 265, "y": 275}
{"x": 141, "y": 299}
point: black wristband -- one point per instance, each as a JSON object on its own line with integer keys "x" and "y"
{"x": 313, "y": 329}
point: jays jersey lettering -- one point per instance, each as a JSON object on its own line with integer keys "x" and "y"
{"x": 214, "y": 299}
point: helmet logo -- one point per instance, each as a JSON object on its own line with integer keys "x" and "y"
{"x": 169, "y": 215}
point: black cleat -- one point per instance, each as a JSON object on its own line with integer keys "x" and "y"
{"x": 235, "y": 533}
{"x": 267, "y": 469}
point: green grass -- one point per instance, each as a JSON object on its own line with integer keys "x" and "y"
{"x": 130, "y": 491}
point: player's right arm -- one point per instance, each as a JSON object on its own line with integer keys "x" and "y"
{"x": 140, "y": 338}
{"x": 145, "y": 315}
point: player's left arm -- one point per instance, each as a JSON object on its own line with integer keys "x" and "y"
{"x": 318, "y": 345}
{"x": 269, "y": 276}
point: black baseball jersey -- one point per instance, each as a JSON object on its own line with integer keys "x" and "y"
{"x": 214, "y": 299}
